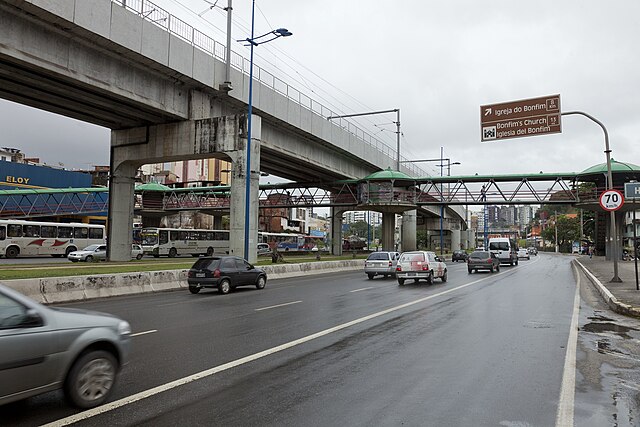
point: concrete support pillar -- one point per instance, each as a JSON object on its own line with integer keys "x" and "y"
{"x": 455, "y": 240}
{"x": 217, "y": 222}
{"x": 151, "y": 221}
{"x": 620, "y": 226}
{"x": 120, "y": 223}
{"x": 238, "y": 216}
{"x": 409, "y": 231}
{"x": 388, "y": 231}
{"x": 336, "y": 231}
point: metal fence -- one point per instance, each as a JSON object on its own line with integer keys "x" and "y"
{"x": 174, "y": 25}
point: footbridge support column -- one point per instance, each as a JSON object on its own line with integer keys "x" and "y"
{"x": 222, "y": 137}
{"x": 388, "y": 231}
{"x": 336, "y": 231}
{"x": 409, "y": 232}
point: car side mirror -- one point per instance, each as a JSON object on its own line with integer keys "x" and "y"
{"x": 32, "y": 319}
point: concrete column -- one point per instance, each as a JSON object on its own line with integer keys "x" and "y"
{"x": 455, "y": 240}
{"x": 217, "y": 222}
{"x": 119, "y": 222}
{"x": 620, "y": 226}
{"x": 238, "y": 196}
{"x": 409, "y": 230}
{"x": 388, "y": 231}
{"x": 336, "y": 231}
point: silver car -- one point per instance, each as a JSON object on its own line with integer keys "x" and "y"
{"x": 381, "y": 263}
{"x": 44, "y": 349}
{"x": 90, "y": 253}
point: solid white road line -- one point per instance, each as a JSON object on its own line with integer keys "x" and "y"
{"x": 212, "y": 371}
{"x": 564, "y": 417}
{"x": 279, "y": 305}
{"x": 362, "y": 289}
{"x": 137, "y": 334}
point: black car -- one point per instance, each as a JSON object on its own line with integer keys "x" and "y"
{"x": 483, "y": 260}
{"x": 459, "y": 256}
{"x": 224, "y": 273}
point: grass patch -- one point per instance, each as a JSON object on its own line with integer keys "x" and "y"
{"x": 37, "y": 271}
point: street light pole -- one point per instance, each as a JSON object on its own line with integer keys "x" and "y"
{"x": 280, "y": 32}
{"x": 613, "y": 231}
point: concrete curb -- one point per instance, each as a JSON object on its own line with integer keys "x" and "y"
{"x": 76, "y": 288}
{"x": 609, "y": 298}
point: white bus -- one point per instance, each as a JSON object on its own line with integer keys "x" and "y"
{"x": 178, "y": 241}
{"x": 21, "y": 237}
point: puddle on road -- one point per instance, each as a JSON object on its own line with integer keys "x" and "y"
{"x": 597, "y": 328}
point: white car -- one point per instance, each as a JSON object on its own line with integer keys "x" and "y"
{"x": 136, "y": 251}
{"x": 99, "y": 252}
{"x": 523, "y": 253}
{"x": 88, "y": 254}
{"x": 418, "y": 265}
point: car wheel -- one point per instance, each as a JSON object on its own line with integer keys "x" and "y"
{"x": 400, "y": 282}
{"x": 370, "y": 276}
{"x": 69, "y": 250}
{"x": 194, "y": 289}
{"x": 470, "y": 270}
{"x": 89, "y": 258}
{"x": 224, "y": 287}
{"x": 139, "y": 257}
{"x": 444, "y": 277}
{"x": 430, "y": 277}
{"x": 262, "y": 282}
{"x": 91, "y": 379}
{"x": 173, "y": 252}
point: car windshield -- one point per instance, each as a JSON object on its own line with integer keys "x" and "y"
{"x": 378, "y": 256}
{"x": 91, "y": 248}
{"x": 412, "y": 257}
{"x": 205, "y": 263}
{"x": 479, "y": 255}
{"x": 499, "y": 246}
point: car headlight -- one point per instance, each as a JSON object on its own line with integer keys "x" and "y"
{"x": 124, "y": 328}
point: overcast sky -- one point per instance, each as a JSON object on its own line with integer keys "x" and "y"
{"x": 436, "y": 61}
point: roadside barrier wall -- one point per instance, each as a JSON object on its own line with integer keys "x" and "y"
{"x": 50, "y": 290}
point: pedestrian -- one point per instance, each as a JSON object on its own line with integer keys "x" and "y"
{"x": 590, "y": 251}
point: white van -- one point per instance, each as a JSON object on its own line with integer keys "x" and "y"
{"x": 505, "y": 249}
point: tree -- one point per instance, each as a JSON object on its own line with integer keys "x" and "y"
{"x": 568, "y": 232}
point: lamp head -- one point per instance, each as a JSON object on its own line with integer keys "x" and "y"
{"x": 282, "y": 32}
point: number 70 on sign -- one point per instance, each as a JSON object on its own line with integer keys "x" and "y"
{"x": 611, "y": 200}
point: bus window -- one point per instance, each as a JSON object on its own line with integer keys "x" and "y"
{"x": 173, "y": 235}
{"x": 14, "y": 230}
{"x": 3, "y": 232}
{"x": 95, "y": 233}
{"x": 182, "y": 235}
{"x": 31, "y": 230}
{"x": 65, "y": 232}
{"x": 48, "y": 231}
{"x": 80, "y": 232}
{"x": 164, "y": 237}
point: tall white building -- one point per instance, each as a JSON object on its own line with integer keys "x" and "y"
{"x": 372, "y": 217}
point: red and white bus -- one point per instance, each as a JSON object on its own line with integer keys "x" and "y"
{"x": 28, "y": 238}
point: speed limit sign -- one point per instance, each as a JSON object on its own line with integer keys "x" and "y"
{"x": 611, "y": 200}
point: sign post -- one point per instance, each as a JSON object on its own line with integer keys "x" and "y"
{"x": 515, "y": 119}
{"x": 632, "y": 192}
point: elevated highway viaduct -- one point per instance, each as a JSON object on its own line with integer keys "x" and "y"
{"x": 155, "y": 82}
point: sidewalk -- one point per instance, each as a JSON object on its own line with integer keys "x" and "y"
{"x": 622, "y": 297}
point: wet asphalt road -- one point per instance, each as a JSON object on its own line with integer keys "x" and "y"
{"x": 481, "y": 350}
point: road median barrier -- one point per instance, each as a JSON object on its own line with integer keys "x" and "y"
{"x": 50, "y": 290}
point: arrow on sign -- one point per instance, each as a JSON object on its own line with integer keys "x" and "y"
{"x": 487, "y": 111}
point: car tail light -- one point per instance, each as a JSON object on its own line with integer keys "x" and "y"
{"x": 398, "y": 267}
{"x": 489, "y": 261}
{"x": 190, "y": 273}
{"x": 390, "y": 263}
{"x": 425, "y": 267}
{"x": 216, "y": 272}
